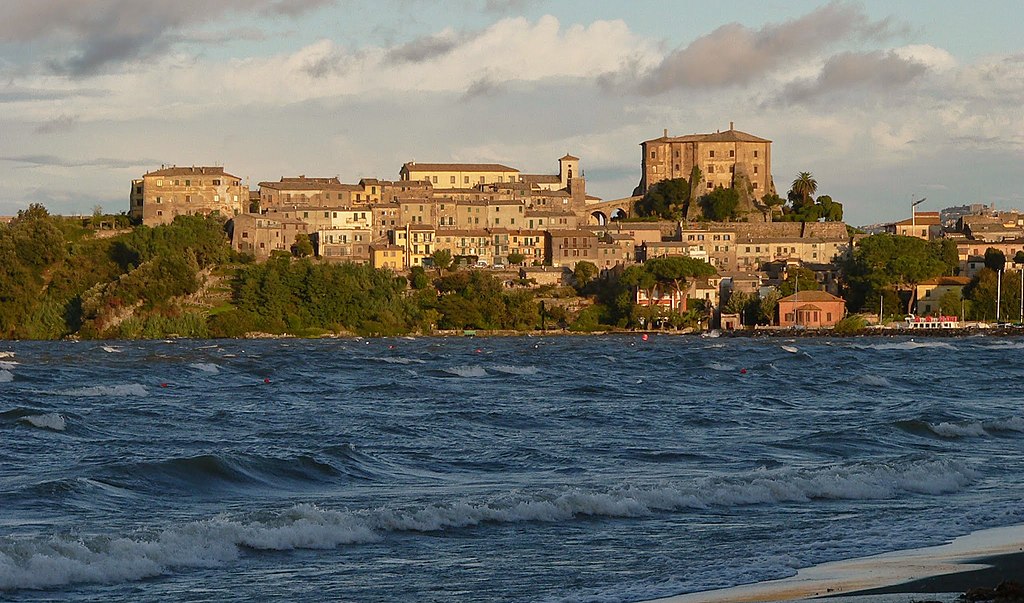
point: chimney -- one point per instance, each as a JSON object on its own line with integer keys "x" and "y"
{"x": 666, "y": 132}
{"x": 730, "y": 126}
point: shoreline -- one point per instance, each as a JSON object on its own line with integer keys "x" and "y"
{"x": 982, "y": 558}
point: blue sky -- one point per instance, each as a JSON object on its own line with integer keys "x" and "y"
{"x": 882, "y": 101}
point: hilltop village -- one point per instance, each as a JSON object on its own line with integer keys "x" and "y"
{"x": 537, "y": 229}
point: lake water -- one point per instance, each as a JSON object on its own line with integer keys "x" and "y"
{"x": 508, "y": 469}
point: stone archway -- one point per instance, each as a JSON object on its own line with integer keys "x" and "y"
{"x": 618, "y": 214}
{"x": 599, "y": 218}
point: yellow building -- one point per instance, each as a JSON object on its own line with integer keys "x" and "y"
{"x": 458, "y": 175}
{"x": 717, "y": 155}
{"x": 383, "y": 255}
{"x": 931, "y": 291}
{"x": 418, "y": 242}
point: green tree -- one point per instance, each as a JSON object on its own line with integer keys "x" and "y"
{"x": 666, "y": 199}
{"x": 806, "y": 279}
{"x": 950, "y": 303}
{"x": 896, "y": 263}
{"x": 720, "y": 204}
{"x": 418, "y": 277}
{"x": 442, "y": 260}
{"x": 995, "y": 260}
{"x": 584, "y": 273}
{"x": 516, "y": 258}
{"x": 831, "y": 211}
{"x": 302, "y": 247}
{"x": 802, "y": 190}
{"x": 677, "y": 271}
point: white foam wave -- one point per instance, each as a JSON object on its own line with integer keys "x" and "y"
{"x": 5, "y": 354}
{"x": 958, "y": 430}
{"x": 792, "y": 349}
{"x": 8, "y": 364}
{"x": 52, "y": 421}
{"x": 719, "y": 366}
{"x": 910, "y": 345}
{"x": 466, "y": 371}
{"x": 6, "y": 376}
{"x": 515, "y": 370}
{"x": 399, "y": 360}
{"x": 111, "y": 349}
{"x": 976, "y": 429}
{"x": 206, "y": 367}
{"x": 58, "y": 561}
{"x": 126, "y": 389}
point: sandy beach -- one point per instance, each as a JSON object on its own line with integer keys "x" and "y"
{"x": 979, "y": 559}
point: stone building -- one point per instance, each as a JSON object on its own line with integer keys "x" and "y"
{"x": 160, "y": 195}
{"x": 717, "y": 155}
{"x": 567, "y": 247}
{"x": 260, "y": 235}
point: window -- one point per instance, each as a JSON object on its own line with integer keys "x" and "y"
{"x": 158, "y": 200}
{"x": 216, "y": 198}
{"x": 188, "y": 198}
{"x": 711, "y": 154}
{"x": 159, "y": 213}
{"x": 652, "y": 154}
{"x": 711, "y": 169}
{"x": 677, "y": 167}
{"x": 732, "y": 153}
{"x": 755, "y": 169}
{"x": 677, "y": 153}
{"x": 188, "y": 183}
{"x": 755, "y": 186}
{"x": 216, "y": 182}
{"x": 710, "y": 186}
{"x": 481, "y": 179}
{"x": 465, "y": 180}
{"x": 435, "y": 179}
{"x": 755, "y": 154}
{"x": 453, "y": 179}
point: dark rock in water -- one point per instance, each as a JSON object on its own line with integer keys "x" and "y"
{"x": 1006, "y": 592}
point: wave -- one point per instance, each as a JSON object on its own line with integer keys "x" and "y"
{"x": 6, "y": 354}
{"x": 39, "y": 563}
{"x": 210, "y": 472}
{"x": 966, "y": 429}
{"x": 8, "y": 364}
{"x": 111, "y": 349}
{"x": 206, "y": 367}
{"x": 58, "y": 561}
{"x": 719, "y": 366}
{"x": 515, "y": 370}
{"x": 53, "y": 421}
{"x": 466, "y": 371}
{"x": 398, "y": 360}
{"x": 125, "y": 389}
{"x": 6, "y": 376}
{"x": 907, "y": 345}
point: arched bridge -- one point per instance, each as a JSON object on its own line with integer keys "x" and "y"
{"x": 603, "y": 212}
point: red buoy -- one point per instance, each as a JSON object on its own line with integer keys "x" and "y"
{"x": 644, "y": 337}
{"x": 266, "y": 379}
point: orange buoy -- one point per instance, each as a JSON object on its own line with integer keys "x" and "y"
{"x": 644, "y": 337}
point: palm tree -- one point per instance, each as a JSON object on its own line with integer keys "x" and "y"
{"x": 804, "y": 188}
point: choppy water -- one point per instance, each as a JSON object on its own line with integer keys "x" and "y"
{"x": 521, "y": 469}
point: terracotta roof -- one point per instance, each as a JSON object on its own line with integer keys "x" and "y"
{"x": 727, "y": 136}
{"x": 190, "y": 171}
{"x": 457, "y": 167}
{"x": 569, "y": 157}
{"x": 571, "y": 233}
{"x": 812, "y": 296}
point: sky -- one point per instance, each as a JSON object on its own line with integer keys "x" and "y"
{"x": 883, "y": 102}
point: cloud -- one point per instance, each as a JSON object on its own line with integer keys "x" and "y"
{"x": 426, "y": 48}
{"x": 735, "y": 54}
{"x": 62, "y": 123}
{"x": 54, "y": 161}
{"x": 101, "y": 33}
{"x": 485, "y": 86}
{"x": 876, "y": 71}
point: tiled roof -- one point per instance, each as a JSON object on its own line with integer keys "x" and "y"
{"x": 413, "y": 166}
{"x": 727, "y": 136}
{"x": 812, "y": 296}
{"x": 191, "y": 171}
{"x": 569, "y": 157}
